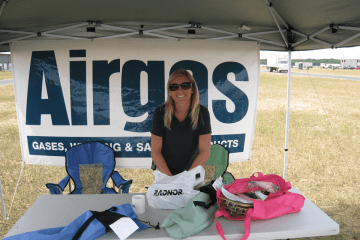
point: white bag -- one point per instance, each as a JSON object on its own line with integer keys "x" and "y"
{"x": 173, "y": 192}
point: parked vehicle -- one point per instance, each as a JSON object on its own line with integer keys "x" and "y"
{"x": 277, "y": 63}
{"x": 349, "y": 63}
{"x": 305, "y": 64}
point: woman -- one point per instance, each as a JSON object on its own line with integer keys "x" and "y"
{"x": 181, "y": 131}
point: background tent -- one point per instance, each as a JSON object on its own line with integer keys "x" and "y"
{"x": 278, "y": 25}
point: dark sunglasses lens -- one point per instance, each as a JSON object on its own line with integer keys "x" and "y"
{"x": 174, "y": 87}
{"x": 186, "y": 86}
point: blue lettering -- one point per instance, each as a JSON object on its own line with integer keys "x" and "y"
{"x": 101, "y": 75}
{"x": 237, "y": 96}
{"x": 78, "y": 93}
{"x": 77, "y": 53}
{"x": 43, "y": 63}
{"x": 130, "y": 92}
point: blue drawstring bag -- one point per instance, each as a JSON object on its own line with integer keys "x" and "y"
{"x": 90, "y": 225}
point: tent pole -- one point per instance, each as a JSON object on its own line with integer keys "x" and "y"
{"x": 2, "y": 201}
{"x": 287, "y": 114}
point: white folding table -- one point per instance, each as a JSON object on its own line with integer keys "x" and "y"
{"x": 49, "y": 211}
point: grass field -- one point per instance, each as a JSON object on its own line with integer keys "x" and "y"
{"x": 322, "y": 159}
{"x": 342, "y": 72}
{"x": 5, "y": 75}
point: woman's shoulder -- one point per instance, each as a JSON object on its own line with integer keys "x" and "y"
{"x": 203, "y": 109}
{"x": 204, "y": 119}
{"x": 160, "y": 109}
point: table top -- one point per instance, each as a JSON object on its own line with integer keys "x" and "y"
{"x": 59, "y": 210}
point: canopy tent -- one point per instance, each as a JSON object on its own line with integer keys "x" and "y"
{"x": 278, "y": 25}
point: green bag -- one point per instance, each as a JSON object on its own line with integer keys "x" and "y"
{"x": 190, "y": 220}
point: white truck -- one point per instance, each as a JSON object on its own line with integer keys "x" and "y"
{"x": 277, "y": 63}
{"x": 305, "y": 64}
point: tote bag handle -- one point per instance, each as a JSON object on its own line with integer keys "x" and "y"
{"x": 258, "y": 173}
{"x": 246, "y": 224}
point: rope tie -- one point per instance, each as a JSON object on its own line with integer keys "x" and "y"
{"x": 329, "y": 123}
{"x": 12, "y": 201}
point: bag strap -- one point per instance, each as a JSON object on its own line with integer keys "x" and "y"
{"x": 218, "y": 225}
{"x": 247, "y": 222}
{"x": 208, "y": 189}
{"x": 106, "y": 218}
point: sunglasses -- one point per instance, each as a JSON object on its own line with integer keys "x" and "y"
{"x": 184, "y": 86}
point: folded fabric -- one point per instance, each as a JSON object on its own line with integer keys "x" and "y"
{"x": 90, "y": 225}
{"x": 191, "y": 219}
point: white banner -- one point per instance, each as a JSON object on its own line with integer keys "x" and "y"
{"x": 70, "y": 92}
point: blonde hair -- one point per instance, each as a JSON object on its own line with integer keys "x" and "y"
{"x": 194, "y": 105}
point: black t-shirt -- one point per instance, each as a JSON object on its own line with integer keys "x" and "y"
{"x": 181, "y": 143}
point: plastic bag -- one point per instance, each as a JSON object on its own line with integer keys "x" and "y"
{"x": 172, "y": 192}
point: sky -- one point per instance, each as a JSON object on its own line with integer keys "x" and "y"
{"x": 339, "y": 53}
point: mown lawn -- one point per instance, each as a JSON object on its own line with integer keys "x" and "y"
{"x": 5, "y": 75}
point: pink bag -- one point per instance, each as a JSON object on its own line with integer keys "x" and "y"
{"x": 278, "y": 203}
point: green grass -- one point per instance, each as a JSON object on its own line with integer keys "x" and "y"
{"x": 322, "y": 159}
{"x": 343, "y": 72}
{"x": 323, "y": 148}
{"x": 5, "y": 75}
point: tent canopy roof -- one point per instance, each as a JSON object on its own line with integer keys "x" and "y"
{"x": 276, "y": 24}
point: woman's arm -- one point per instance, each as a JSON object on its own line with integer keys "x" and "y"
{"x": 156, "y": 155}
{"x": 204, "y": 147}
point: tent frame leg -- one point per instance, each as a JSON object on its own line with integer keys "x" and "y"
{"x": 287, "y": 114}
{"x": 2, "y": 201}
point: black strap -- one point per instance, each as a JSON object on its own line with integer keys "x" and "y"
{"x": 204, "y": 205}
{"x": 106, "y": 218}
{"x": 209, "y": 189}
{"x": 157, "y": 227}
{"x": 83, "y": 227}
